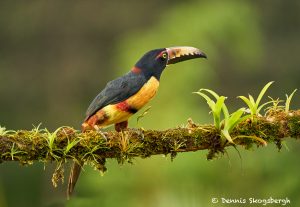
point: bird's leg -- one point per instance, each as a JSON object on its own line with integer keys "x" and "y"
{"x": 100, "y": 132}
{"x": 121, "y": 126}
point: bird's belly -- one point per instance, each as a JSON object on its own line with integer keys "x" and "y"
{"x": 120, "y": 112}
{"x": 116, "y": 113}
{"x": 144, "y": 95}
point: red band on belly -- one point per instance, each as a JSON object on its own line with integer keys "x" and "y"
{"x": 123, "y": 106}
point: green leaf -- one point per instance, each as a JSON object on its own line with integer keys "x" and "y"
{"x": 261, "y": 106}
{"x": 263, "y": 91}
{"x": 226, "y": 134}
{"x": 142, "y": 115}
{"x": 249, "y": 103}
{"x": 254, "y": 107}
{"x": 288, "y": 101}
{"x": 51, "y": 137}
{"x": 214, "y": 94}
{"x": 210, "y": 102}
{"x": 216, "y": 108}
{"x": 217, "y": 111}
{"x": 70, "y": 145}
{"x": 234, "y": 119}
{"x": 251, "y": 100}
{"x": 225, "y": 111}
{"x": 3, "y": 131}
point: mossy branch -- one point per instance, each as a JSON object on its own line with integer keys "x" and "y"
{"x": 94, "y": 147}
{"x": 67, "y": 143}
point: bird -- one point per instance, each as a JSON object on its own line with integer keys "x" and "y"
{"x": 124, "y": 96}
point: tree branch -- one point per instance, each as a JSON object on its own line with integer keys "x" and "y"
{"x": 41, "y": 145}
{"x": 91, "y": 147}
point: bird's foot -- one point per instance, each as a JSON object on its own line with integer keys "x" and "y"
{"x": 103, "y": 134}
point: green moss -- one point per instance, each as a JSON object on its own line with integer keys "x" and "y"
{"x": 91, "y": 148}
{"x": 293, "y": 125}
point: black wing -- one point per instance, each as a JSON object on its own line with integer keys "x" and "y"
{"x": 116, "y": 91}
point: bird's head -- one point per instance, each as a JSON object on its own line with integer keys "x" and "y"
{"x": 155, "y": 61}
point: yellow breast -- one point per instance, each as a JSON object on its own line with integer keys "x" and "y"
{"x": 145, "y": 94}
{"x": 112, "y": 114}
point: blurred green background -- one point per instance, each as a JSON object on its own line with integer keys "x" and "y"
{"x": 55, "y": 56}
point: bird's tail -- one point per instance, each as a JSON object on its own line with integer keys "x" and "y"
{"x": 75, "y": 171}
{"x": 74, "y": 175}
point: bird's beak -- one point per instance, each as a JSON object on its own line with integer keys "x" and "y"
{"x": 179, "y": 54}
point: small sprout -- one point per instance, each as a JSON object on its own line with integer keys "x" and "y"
{"x": 50, "y": 138}
{"x": 92, "y": 153}
{"x": 231, "y": 121}
{"x": 36, "y": 129}
{"x": 178, "y": 145}
{"x": 70, "y": 145}
{"x": 288, "y": 101}
{"x": 124, "y": 143}
{"x": 216, "y": 107}
{"x": 253, "y": 105}
{"x": 142, "y": 115}
{"x": 126, "y": 146}
{"x": 275, "y": 107}
{"x": 13, "y": 152}
{"x": 34, "y": 132}
{"x": 4, "y": 132}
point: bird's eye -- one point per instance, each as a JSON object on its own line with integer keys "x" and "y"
{"x": 164, "y": 55}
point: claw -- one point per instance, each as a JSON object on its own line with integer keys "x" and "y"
{"x": 100, "y": 132}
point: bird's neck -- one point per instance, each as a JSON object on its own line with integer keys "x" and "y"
{"x": 148, "y": 73}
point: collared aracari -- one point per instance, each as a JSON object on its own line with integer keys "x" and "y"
{"x": 124, "y": 96}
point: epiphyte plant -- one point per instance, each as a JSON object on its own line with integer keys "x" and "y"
{"x": 217, "y": 107}
{"x": 253, "y": 105}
